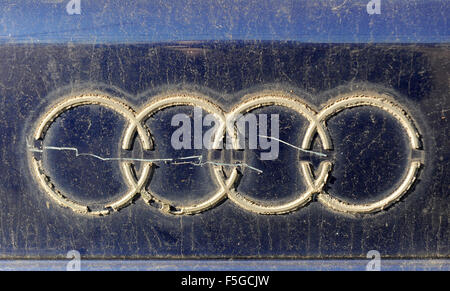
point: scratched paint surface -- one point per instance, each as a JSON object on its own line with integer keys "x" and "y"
{"x": 369, "y": 156}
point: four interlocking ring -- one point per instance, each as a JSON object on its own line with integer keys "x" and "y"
{"x": 227, "y": 185}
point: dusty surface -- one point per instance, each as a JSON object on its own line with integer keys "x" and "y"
{"x": 370, "y": 154}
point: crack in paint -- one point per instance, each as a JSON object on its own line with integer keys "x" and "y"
{"x": 295, "y": 147}
{"x": 197, "y": 160}
{"x": 173, "y": 161}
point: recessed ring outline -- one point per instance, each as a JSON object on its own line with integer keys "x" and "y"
{"x": 313, "y": 185}
{"x": 372, "y": 99}
{"x": 119, "y": 107}
{"x": 177, "y": 100}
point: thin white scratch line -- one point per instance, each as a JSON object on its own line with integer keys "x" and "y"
{"x": 173, "y": 161}
{"x": 295, "y": 147}
{"x": 202, "y": 163}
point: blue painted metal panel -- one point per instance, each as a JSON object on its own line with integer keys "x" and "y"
{"x": 341, "y": 21}
{"x": 138, "y": 50}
